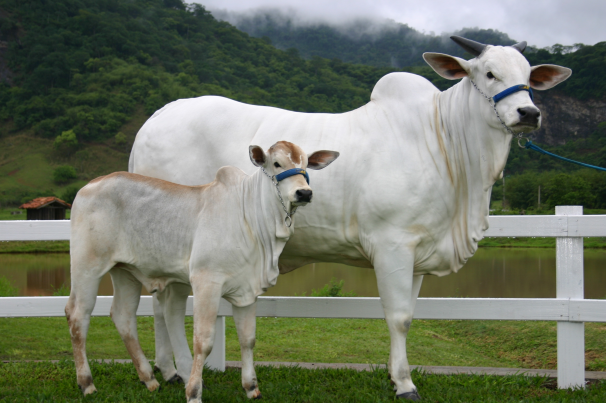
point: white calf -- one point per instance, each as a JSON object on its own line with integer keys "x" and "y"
{"x": 223, "y": 238}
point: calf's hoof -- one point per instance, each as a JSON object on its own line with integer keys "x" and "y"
{"x": 253, "y": 393}
{"x": 88, "y": 389}
{"x": 175, "y": 380}
{"x": 414, "y": 396}
{"x": 152, "y": 385}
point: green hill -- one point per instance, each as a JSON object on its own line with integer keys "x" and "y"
{"x": 81, "y": 76}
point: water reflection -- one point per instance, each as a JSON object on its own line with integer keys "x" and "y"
{"x": 491, "y": 273}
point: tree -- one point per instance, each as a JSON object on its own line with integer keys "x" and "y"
{"x": 66, "y": 142}
{"x": 64, "y": 174}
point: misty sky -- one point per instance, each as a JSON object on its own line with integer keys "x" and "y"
{"x": 539, "y": 22}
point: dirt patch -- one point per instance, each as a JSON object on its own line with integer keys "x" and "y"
{"x": 14, "y": 171}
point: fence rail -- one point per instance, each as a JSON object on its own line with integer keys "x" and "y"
{"x": 569, "y": 308}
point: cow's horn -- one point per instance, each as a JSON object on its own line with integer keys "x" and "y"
{"x": 473, "y": 47}
{"x": 520, "y": 46}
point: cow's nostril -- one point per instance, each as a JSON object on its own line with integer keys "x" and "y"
{"x": 303, "y": 195}
{"x": 529, "y": 114}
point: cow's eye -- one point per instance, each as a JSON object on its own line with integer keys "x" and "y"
{"x": 490, "y": 75}
{"x": 277, "y": 165}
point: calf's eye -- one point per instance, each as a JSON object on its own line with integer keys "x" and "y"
{"x": 489, "y": 75}
{"x": 277, "y": 165}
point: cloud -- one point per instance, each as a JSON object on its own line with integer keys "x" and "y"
{"x": 539, "y": 22}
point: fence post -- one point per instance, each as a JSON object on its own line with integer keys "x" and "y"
{"x": 569, "y": 285}
{"x": 216, "y": 358}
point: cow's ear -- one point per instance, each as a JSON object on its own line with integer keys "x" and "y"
{"x": 449, "y": 67}
{"x": 257, "y": 155}
{"x": 321, "y": 159}
{"x": 546, "y": 76}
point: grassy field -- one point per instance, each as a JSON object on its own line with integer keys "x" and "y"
{"x": 46, "y": 382}
{"x": 430, "y": 342}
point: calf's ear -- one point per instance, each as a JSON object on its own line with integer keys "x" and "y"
{"x": 257, "y": 155}
{"x": 321, "y": 159}
{"x": 546, "y": 76}
{"x": 447, "y": 66}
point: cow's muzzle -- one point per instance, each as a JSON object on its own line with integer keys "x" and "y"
{"x": 303, "y": 196}
{"x": 529, "y": 116}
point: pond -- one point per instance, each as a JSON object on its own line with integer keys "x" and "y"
{"x": 491, "y": 273}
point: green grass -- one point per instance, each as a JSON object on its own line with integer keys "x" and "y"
{"x": 47, "y": 382}
{"x": 430, "y": 342}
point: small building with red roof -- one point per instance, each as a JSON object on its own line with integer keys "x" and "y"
{"x": 46, "y": 208}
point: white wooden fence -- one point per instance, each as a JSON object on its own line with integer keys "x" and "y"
{"x": 569, "y": 308}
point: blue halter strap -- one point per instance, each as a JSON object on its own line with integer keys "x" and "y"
{"x": 512, "y": 90}
{"x": 291, "y": 172}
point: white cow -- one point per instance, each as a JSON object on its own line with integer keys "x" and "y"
{"x": 412, "y": 190}
{"x": 224, "y": 238}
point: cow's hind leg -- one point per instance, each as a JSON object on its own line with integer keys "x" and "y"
{"x": 174, "y": 301}
{"x": 164, "y": 350}
{"x": 80, "y": 305}
{"x": 246, "y": 325}
{"x": 127, "y": 293}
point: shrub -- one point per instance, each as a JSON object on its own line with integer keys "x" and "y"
{"x": 64, "y": 174}
{"x": 66, "y": 142}
{"x": 6, "y": 288}
{"x": 70, "y": 193}
{"x": 332, "y": 289}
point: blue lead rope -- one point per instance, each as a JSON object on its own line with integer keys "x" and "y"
{"x": 531, "y": 146}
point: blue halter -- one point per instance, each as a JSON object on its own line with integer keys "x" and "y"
{"x": 291, "y": 172}
{"x": 512, "y": 90}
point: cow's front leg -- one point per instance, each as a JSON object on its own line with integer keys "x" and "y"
{"x": 398, "y": 289}
{"x": 207, "y": 296}
{"x": 246, "y": 324}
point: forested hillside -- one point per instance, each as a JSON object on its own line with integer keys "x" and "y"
{"x": 79, "y": 77}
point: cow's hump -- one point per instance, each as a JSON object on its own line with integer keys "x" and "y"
{"x": 230, "y": 176}
{"x": 402, "y": 87}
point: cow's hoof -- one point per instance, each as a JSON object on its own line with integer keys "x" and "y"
{"x": 176, "y": 380}
{"x": 89, "y": 389}
{"x": 414, "y": 396}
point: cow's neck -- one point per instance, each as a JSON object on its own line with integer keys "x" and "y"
{"x": 477, "y": 154}
{"x": 265, "y": 217}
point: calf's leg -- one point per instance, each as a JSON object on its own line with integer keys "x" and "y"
{"x": 80, "y": 305}
{"x": 174, "y": 300}
{"x": 207, "y": 296}
{"x": 246, "y": 326}
{"x": 127, "y": 293}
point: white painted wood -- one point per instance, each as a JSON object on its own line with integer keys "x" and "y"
{"x": 526, "y": 225}
{"x": 216, "y": 358}
{"x": 571, "y": 355}
{"x": 33, "y": 230}
{"x": 550, "y": 309}
{"x": 500, "y": 226}
{"x": 569, "y": 285}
